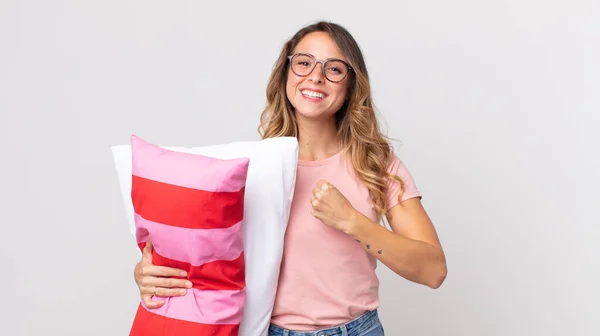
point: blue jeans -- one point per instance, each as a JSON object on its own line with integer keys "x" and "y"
{"x": 367, "y": 324}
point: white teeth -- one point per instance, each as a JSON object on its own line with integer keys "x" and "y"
{"x": 312, "y": 94}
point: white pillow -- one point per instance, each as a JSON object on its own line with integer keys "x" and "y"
{"x": 268, "y": 196}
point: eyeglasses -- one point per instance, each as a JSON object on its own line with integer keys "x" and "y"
{"x": 335, "y": 70}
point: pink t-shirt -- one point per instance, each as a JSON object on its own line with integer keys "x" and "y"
{"x": 327, "y": 278}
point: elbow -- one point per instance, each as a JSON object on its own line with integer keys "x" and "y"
{"x": 438, "y": 279}
{"x": 437, "y": 275}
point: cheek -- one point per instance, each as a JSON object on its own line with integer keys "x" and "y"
{"x": 341, "y": 93}
{"x": 290, "y": 88}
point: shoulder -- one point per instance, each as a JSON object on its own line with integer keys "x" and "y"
{"x": 396, "y": 166}
{"x": 401, "y": 190}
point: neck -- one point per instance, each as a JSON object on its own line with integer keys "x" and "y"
{"x": 317, "y": 139}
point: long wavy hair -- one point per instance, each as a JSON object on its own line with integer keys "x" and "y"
{"x": 369, "y": 150}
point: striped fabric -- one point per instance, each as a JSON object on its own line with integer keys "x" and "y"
{"x": 191, "y": 207}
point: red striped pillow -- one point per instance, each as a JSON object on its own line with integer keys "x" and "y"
{"x": 191, "y": 207}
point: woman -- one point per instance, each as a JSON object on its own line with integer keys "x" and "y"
{"x": 348, "y": 180}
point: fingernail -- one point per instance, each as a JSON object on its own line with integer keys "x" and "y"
{"x": 183, "y": 274}
{"x": 188, "y": 284}
{"x": 182, "y": 291}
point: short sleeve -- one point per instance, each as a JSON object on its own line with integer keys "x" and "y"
{"x": 410, "y": 190}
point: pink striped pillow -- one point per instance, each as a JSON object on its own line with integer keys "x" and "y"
{"x": 191, "y": 207}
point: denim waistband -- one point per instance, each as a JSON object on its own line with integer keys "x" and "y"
{"x": 352, "y": 328}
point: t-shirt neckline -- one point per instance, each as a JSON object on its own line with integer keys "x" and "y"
{"x": 311, "y": 163}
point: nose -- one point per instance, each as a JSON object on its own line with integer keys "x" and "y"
{"x": 316, "y": 76}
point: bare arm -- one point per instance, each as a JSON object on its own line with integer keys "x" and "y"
{"x": 412, "y": 249}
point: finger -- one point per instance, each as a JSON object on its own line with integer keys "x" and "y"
{"x": 148, "y": 302}
{"x": 315, "y": 213}
{"x": 316, "y": 190}
{"x": 147, "y": 251}
{"x": 163, "y": 271}
{"x": 150, "y": 281}
{"x": 166, "y": 292}
{"x": 162, "y": 292}
{"x": 321, "y": 183}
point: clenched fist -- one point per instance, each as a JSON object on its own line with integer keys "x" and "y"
{"x": 331, "y": 207}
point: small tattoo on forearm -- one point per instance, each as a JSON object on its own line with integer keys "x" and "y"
{"x": 368, "y": 246}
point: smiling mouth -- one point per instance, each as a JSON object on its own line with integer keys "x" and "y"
{"x": 312, "y": 94}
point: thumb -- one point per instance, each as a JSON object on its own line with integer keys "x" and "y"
{"x": 147, "y": 252}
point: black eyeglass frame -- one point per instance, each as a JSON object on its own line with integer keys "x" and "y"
{"x": 323, "y": 62}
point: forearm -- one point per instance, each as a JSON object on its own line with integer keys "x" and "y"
{"x": 414, "y": 260}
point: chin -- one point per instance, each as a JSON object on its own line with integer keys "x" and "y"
{"x": 313, "y": 114}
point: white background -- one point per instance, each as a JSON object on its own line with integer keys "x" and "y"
{"x": 496, "y": 105}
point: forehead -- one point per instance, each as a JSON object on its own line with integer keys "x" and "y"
{"x": 320, "y": 45}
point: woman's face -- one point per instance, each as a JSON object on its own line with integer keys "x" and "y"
{"x": 313, "y": 96}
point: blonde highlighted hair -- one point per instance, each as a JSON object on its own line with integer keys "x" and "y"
{"x": 370, "y": 151}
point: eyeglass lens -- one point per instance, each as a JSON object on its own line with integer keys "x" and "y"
{"x": 303, "y": 65}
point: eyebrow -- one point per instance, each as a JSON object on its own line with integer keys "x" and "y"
{"x": 329, "y": 58}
